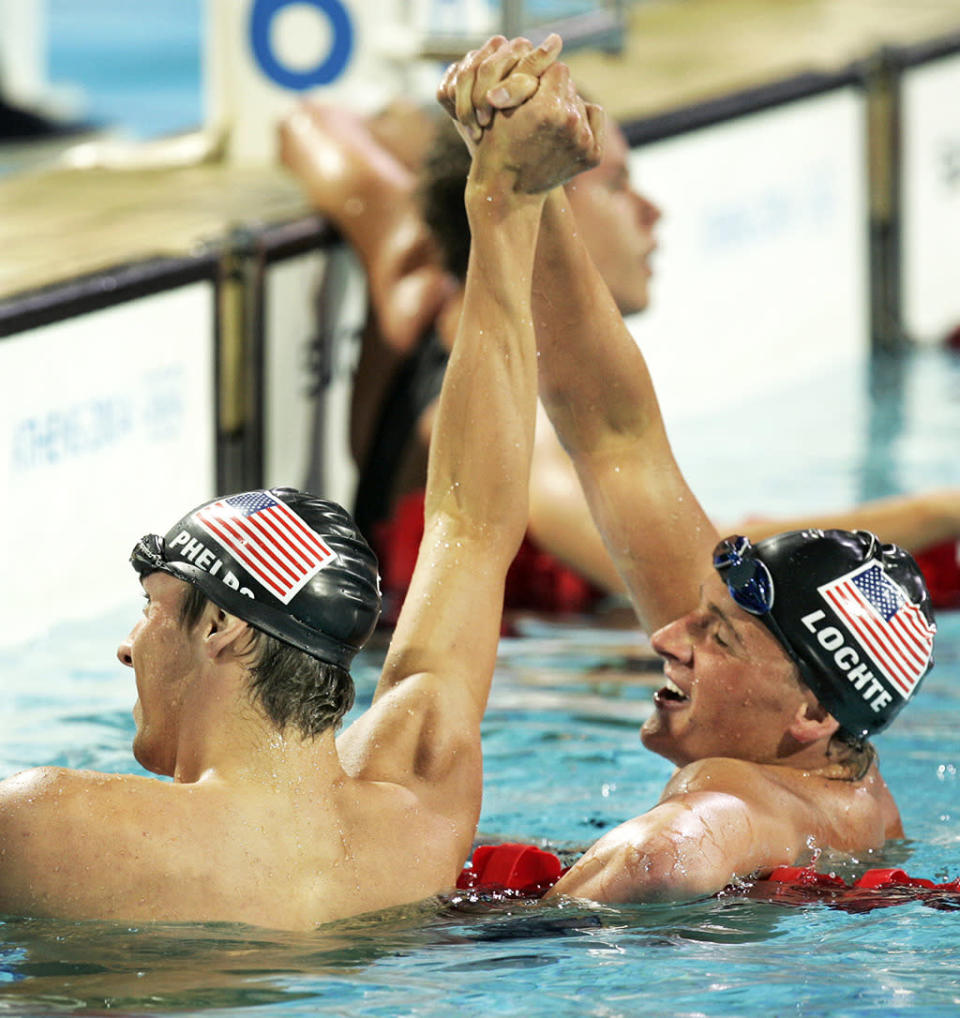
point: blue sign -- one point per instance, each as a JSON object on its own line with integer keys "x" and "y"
{"x": 328, "y": 70}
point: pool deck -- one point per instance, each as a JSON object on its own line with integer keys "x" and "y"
{"x": 680, "y": 52}
{"x": 58, "y": 224}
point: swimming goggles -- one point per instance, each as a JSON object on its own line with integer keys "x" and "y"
{"x": 147, "y": 554}
{"x": 750, "y": 585}
{"x": 748, "y": 579}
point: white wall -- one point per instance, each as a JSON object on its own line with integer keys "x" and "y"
{"x": 761, "y": 273}
{"x": 930, "y": 189}
{"x": 106, "y": 433}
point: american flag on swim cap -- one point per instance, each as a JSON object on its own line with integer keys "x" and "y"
{"x": 268, "y": 538}
{"x": 894, "y": 632}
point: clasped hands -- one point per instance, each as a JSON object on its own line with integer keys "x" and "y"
{"x": 544, "y": 134}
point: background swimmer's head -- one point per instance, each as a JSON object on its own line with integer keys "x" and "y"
{"x": 853, "y": 614}
{"x": 615, "y": 221}
{"x": 294, "y": 567}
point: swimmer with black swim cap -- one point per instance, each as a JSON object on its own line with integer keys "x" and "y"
{"x": 291, "y": 564}
{"x": 798, "y": 649}
{"x": 259, "y": 600}
{"x": 760, "y": 644}
{"x": 852, "y": 613}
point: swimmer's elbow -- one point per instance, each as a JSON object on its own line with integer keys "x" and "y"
{"x": 482, "y": 534}
{"x": 668, "y": 873}
{"x": 653, "y": 869}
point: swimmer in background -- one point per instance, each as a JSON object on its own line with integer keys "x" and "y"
{"x": 399, "y": 205}
{"x": 781, "y": 659}
{"x": 257, "y": 603}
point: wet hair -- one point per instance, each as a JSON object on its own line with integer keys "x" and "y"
{"x": 854, "y": 754}
{"x": 443, "y": 179}
{"x": 289, "y": 685}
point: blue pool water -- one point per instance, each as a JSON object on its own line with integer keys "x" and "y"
{"x": 563, "y": 764}
{"x": 134, "y": 67}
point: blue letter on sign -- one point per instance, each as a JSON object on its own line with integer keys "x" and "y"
{"x": 341, "y": 31}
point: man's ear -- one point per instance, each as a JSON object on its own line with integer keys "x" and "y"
{"x": 812, "y": 722}
{"x": 224, "y": 633}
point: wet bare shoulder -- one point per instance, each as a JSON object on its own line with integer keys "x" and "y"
{"x": 38, "y": 784}
{"x": 44, "y": 798}
{"x": 839, "y": 814}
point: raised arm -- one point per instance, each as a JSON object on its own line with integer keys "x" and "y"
{"x": 476, "y": 495}
{"x": 599, "y": 395}
{"x": 597, "y": 391}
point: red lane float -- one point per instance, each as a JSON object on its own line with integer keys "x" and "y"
{"x": 525, "y": 871}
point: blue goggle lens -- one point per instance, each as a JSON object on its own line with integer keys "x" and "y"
{"x": 748, "y": 579}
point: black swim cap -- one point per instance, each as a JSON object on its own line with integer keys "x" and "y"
{"x": 854, "y": 614}
{"x": 290, "y": 564}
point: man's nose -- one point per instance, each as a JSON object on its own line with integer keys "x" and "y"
{"x": 649, "y": 213}
{"x": 673, "y": 641}
{"x": 125, "y": 651}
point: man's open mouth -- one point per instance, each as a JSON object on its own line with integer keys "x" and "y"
{"x": 669, "y": 693}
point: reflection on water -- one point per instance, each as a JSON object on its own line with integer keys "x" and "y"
{"x": 59, "y": 967}
{"x": 486, "y": 957}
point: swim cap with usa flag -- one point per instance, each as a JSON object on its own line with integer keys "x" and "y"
{"x": 291, "y": 564}
{"x": 854, "y": 614}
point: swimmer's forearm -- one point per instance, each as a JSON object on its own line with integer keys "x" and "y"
{"x": 594, "y": 380}
{"x": 597, "y": 391}
{"x": 483, "y": 436}
{"x": 476, "y": 497}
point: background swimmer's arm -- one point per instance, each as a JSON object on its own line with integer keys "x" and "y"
{"x": 354, "y": 181}
{"x": 405, "y": 129}
{"x": 913, "y": 521}
{"x": 560, "y": 518}
{"x": 597, "y": 390}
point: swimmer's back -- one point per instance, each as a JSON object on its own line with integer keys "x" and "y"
{"x": 287, "y": 859}
{"x": 286, "y": 850}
